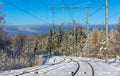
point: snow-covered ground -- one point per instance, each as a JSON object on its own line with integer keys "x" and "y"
{"x": 66, "y": 66}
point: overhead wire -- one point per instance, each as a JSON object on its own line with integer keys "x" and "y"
{"x": 93, "y": 13}
{"x": 56, "y": 16}
{"x": 23, "y": 10}
{"x": 117, "y": 13}
{"x": 71, "y": 15}
{"x": 84, "y": 3}
{"x": 113, "y": 16}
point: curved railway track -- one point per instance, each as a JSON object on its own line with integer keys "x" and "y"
{"x": 78, "y": 67}
{"x": 72, "y": 73}
{"x": 48, "y": 69}
{"x": 50, "y": 65}
{"x": 56, "y": 67}
{"x": 93, "y": 72}
{"x": 35, "y": 71}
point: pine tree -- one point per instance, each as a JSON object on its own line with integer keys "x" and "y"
{"x": 117, "y": 49}
{"x": 76, "y": 35}
{"x": 50, "y": 41}
{"x": 114, "y": 41}
{"x": 94, "y": 37}
{"x": 81, "y": 39}
{"x": 36, "y": 43}
{"x": 65, "y": 44}
{"x": 60, "y": 37}
{"x": 102, "y": 34}
{"x": 20, "y": 43}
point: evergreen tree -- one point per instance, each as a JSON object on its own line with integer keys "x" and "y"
{"x": 81, "y": 39}
{"x": 76, "y": 35}
{"x": 36, "y": 43}
{"x": 65, "y": 44}
{"x": 20, "y": 43}
{"x": 50, "y": 41}
{"x": 60, "y": 37}
{"x": 94, "y": 37}
{"x": 102, "y": 34}
{"x": 117, "y": 48}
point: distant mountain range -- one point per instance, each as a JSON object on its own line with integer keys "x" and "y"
{"x": 41, "y": 29}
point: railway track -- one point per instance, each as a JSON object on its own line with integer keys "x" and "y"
{"x": 93, "y": 72}
{"x": 77, "y": 71}
{"x": 92, "y": 69}
{"x": 78, "y": 67}
{"x": 55, "y": 68}
{"x": 49, "y": 65}
{"x": 72, "y": 73}
{"x": 36, "y": 70}
{"x": 39, "y": 72}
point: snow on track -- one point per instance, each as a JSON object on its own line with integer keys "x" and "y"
{"x": 68, "y": 66}
{"x": 41, "y": 72}
{"x": 30, "y": 69}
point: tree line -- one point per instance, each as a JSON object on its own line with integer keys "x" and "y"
{"x": 23, "y": 48}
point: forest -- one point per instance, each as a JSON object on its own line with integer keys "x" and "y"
{"x": 21, "y": 50}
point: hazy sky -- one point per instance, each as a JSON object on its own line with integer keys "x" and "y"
{"x": 40, "y": 9}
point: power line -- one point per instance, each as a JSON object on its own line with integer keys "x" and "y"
{"x": 98, "y": 9}
{"x": 23, "y": 10}
{"x": 84, "y": 3}
{"x": 91, "y": 14}
{"x": 55, "y": 15}
{"x": 68, "y": 9}
{"x": 27, "y": 3}
{"x": 115, "y": 14}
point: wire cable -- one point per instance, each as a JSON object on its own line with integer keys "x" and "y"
{"x": 23, "y": 10}
{"x": 98, "y": 9}
{"x": 68, "y": 9}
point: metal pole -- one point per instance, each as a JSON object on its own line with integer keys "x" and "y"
{"x": 106, "y": 23}
{"x": 53, "y": 18}
{"x": 53, "y": 29}
{"x": 1, "y": 18}
{"x": 74, "y": 37}
{"x": 86, "y": 14}
{"x": 62, "y": 16}
{"x": 87, "y": 29}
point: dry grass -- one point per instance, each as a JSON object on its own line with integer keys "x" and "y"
{"x": 7, "y": 63}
